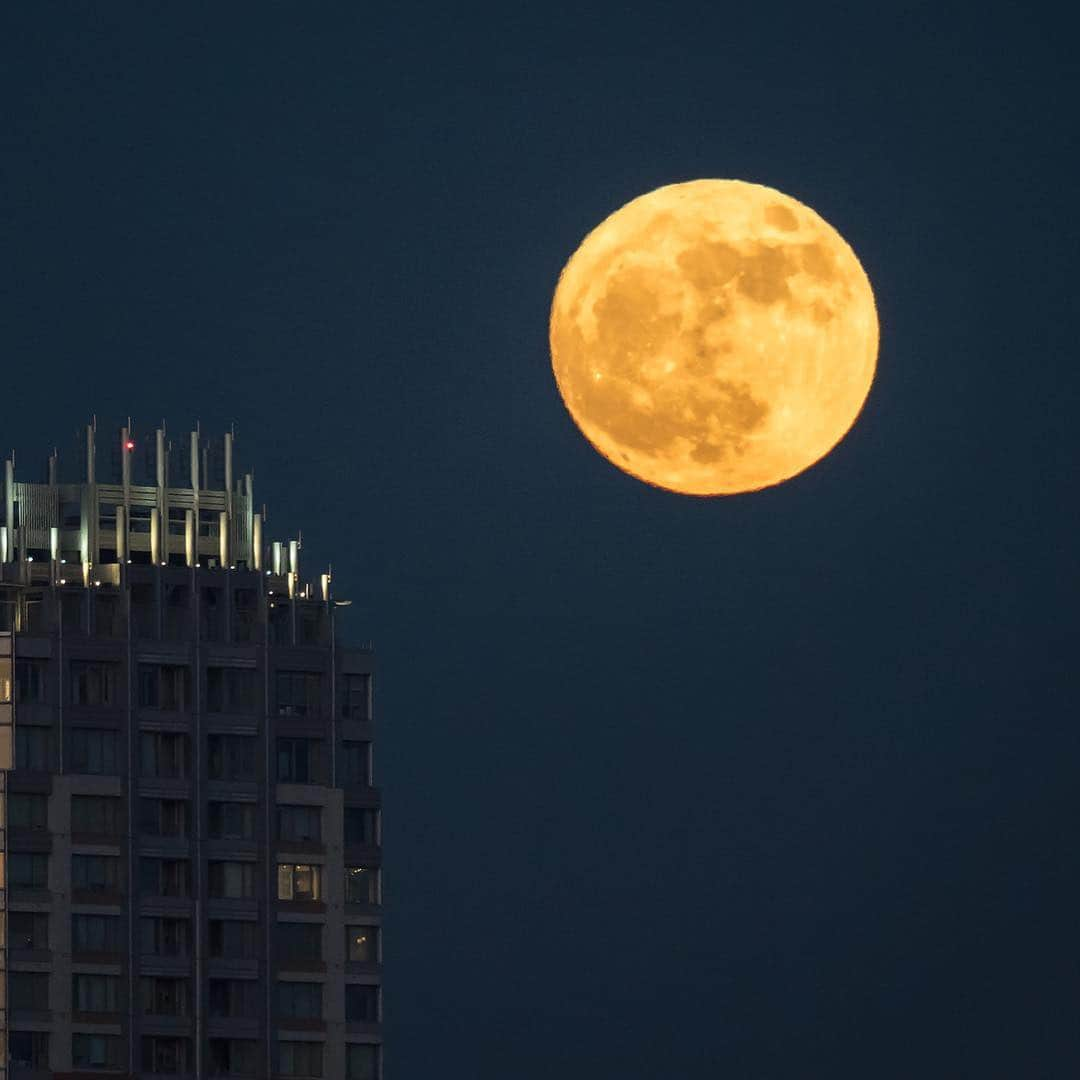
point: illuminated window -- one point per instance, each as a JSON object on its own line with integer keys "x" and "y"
{"x": 298, "y": 881}
{"x": 362, "y": 944}
{"x": 361, "y": 885}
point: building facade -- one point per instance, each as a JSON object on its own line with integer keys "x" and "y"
{"x": 190, "y": 847}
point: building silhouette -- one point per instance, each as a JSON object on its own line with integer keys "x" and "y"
{"x": 191, "y": 835}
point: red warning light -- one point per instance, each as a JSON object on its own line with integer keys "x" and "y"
{"x": 129, "y": 445}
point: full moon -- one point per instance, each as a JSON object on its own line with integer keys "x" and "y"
{"x": 714, "y": 337}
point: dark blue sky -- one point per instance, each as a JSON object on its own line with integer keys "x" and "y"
{"x": 774, "y": 786}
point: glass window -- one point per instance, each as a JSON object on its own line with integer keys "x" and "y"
{"x": 299, "y": 941}
{"x": 356, "y": 762}
{"x": 164, "y": 817}
{"x": 33, "y": 748}
{"x": 26, "y": 811}
{"x": 234, "y": 998}
{"x": 233, "y": 939}
{"x": 231, "y": 820}
{"x": 299, "y": 881}
{"x": 29, "y": 682}
{"x": 300, "y": 1058}
{"x": 164, "y": 936}
{"x": 361, "y": 825}
{"x": 362, "y": 944}
{"x": 232, "y": 1057}
{"x": 93, "y": 682}
{"x": 230, "y": 689}
{"x": 300, "y": 823}
{"x": 93, "y": 751}
{"x": 165, "y": 877}
{"x": 164, "y": 755}
{"x": 164, "y": 1054}
{"x": 96, "y": 933}
{"x": 165, "y": 686}
{"x": 299, "y": 761}
{"x": 361, "y": 1061}
{"x": 361, "y": 1004}
{"x": 361, "y": 885}
{"x": 164, "y": 996}
{"x": 28, "y": 1049}
{"x": 356, "y": 697}
{"x": 231, "y": 880}
{"x": 299, "y": 693}
{"x": 28, "y": 929}
{"x": 96, "y": 993}
{"x": 28, "y": 870}
{"x": 230, "y": 757}
{"x": 97, "y": 1051}
{"x": 97, "y": 872}
{"x": 29, "y": 991}
{"x": 97, "y": 814}
{"x": 300, "y": 1000}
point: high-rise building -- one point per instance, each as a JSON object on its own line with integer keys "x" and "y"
{"x": 190, "y": 847}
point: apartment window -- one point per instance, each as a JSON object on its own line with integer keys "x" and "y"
{"x": 28, "y": 929}
{"x": 299, "y": 761}
{"x": 232, "y": 1057}
{"x": 231, "y": 880}
{"x": 164, "y": 936}
{"x": 311, "y": 623}
{"x": 361, "y": 1004}
{"x": 299, "y": 823}
{"x": 177, "y": 611}
{"x": 361, "y": 885}
{"x": 96, "y": 993}
{"x": 108, "y": 614}
{"x": 72, "y": 607}
{"x": 97, "y": 1051}
{"x": 230, "y": 689}
{"x": 97, "y": 934}
{"x": 165, "y": 877}
{"x": 29, "y": 991}
{"x": 300, "y": 1000}
{"x": 361, "y": 825}
{"x": 299, "y": 942}
{"x": 33, "y": 748}
{"x": 143, "y": 606}
{"x": 93, "y": 682}
{"x": 165, "y": 686}
{"x": 234, "y": 998}
{"x": 28, "y": 870}
{"x": 29, "y": 682}
{"x": 245, "y": 608}
{"x": 279, "y": 624}
{"x": 26, "y": 811}
{"x": 300, "y": 1058}
{"x": 297, "y": 881}
{"x": 230, "y": 757}
{"x": 361, "y": 1061}
{"x": 164, "y": 817}
{"x": 93, "y": 751}
{"x": 298, "y": 693}
{"x": 99, "y": 873}
{"x": 28, "y": 1049}
{"x": 213, "y": 614}
{"x": 356, "y": 697}
{"x": 356, "y": 762}
{"x": 164, "y": 997}
{"x": 231, "y": 820}
{"x": 233, "y": 939}
{"x": 362, "y": 944}
{"x": 164, "y": 1054}
{"x": 163, "y": 754}
{"x": 97, "y": 814}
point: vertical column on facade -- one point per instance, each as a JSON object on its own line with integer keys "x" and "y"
{"x": 7, "y": 725}
{"x": 194, "y": 462}
{"x": 123, "y": 519}
{"x": 7, "y": 542}
{"x": 162, "y": 496}
{"x": 89, "y": 507}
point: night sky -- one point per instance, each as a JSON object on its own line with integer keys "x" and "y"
{"x": 780, "y": 785}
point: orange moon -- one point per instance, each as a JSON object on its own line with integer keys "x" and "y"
{"x": 714, "y": 337}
